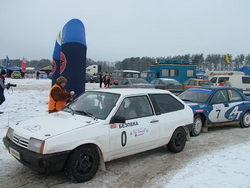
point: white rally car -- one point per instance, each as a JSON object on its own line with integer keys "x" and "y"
{"x": 99, "y": 126}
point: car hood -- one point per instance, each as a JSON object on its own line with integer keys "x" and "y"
{"x": 51, "y": 125}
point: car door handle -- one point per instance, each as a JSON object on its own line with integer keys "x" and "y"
{"x": 154, "y": 121}
{"x": 226, "y": 105}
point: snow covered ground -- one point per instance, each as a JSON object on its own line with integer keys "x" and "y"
{"x": 227, "y": 167}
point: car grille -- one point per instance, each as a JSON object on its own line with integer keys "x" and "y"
{"x": 20, "y": 141}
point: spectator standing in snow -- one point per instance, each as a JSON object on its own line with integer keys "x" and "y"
{"x": 2, "y": 86}
{"x": 37, "y": 75}
{"x": 58, "y": 96}
{"x": 107, "y": 81}
{"x": 101, "y": 78}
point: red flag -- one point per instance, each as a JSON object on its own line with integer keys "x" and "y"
{"x": 24, "y": 63}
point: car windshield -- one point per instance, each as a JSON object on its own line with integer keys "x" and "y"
{"x": 199, "y": 96}
{"x": 203, "y": 83}
{"x": 94, "y": 104}
{"x": 171, "y": 82}
{"x": 136, "y": 81}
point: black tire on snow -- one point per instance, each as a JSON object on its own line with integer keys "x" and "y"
{"x": 178, "y": 140}
{"x": 82, "y": 164}
{"x": 245, "y": 120}
{"x": 197, "y": 126}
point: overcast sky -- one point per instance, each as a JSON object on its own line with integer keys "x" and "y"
{"x": 118, "y": 29}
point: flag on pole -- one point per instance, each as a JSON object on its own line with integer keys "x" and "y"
{"x": 7, "y": 63}
{"x": 24, "y": 64}
{"x": 228, "y": 58}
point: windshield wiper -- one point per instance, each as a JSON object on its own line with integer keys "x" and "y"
{"x": 72, "y": 111}
{"x": 86, "y": 113}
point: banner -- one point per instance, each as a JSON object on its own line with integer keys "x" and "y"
{"x": 24, "y": 65}
{"x": 7, "y": 63}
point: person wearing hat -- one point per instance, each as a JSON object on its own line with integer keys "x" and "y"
{"x": 2, "y": 86}
{"x": 58, "y": 96}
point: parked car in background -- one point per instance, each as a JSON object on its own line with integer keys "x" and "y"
{"x": 217, "y": 106}
{"x": 43, "y": 75}
{"x": 16, "y": 74}
{"x": 88, "y": 78}
{"x": 131, "y": 83}
{"x": 100, "y": 126}
{"x": 119, "y": 74}
{"x": 95, "y": 78}
{"x": 168, "y": 84}
{"x": 241, "y": 82}
{"x": 196, "y": 82}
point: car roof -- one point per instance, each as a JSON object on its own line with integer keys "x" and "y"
{"x": 210, "y": 87}
{"x": 131, "y": 78}
{"x": 134, "y": 91}
{"x": 167, "y": 79}
{"x": 197, "y": 79}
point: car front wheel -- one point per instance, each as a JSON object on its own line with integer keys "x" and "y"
{"x": 197, "y": 126}
{"x": 245, "y": 120}
{"x": 178, "y": 140}
{"x": 82, "y": 164}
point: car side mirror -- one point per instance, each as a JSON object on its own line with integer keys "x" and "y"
{"x": 117, "y": 119}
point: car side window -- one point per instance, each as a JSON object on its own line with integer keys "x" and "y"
{"x": 234, "y": 95}
{"x": 124, "y": 82}
{"x": 192, "y": 82}
{"x": 213, "y": 80}
{"x": 186, "y": 82}
{"x": 165, "y": 103}
{"x": 135, "y": 107}
{"x": 220, "y": 96}
{"x": 157, "y": 82}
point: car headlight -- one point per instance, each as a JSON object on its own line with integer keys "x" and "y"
{"x": 10, "y": 133}
{"x": 36, "y": 145}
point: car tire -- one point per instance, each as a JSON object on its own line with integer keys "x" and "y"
{"x": 82, "y": 164}
{"x": 245, "y": 120}
{"x": 178, "y": 140}
{"x": 197, "y": 126}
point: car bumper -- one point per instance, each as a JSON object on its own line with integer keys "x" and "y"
{"x": 41, "y": 163}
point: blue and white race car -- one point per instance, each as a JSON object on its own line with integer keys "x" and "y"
{"x": 216, "y": 106}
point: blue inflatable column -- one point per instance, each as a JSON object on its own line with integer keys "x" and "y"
{"x": 73, "y": 56}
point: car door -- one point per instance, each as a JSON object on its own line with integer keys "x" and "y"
{"x": 168, "y": 110}
{"x": 225, "y": 106}
{"x": 137, "y": 133}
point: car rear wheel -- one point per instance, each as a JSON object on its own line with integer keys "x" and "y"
{"x": 197, "y": 126}
{"x": 178, "y": 140}
{"x": 245, "y": 120}
{"x": 82, "y": 164}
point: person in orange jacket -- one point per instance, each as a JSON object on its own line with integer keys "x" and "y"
{"x": 58, "y": 96}
{"x": 107, "y": 79}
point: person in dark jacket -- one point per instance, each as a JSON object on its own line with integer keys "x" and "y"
{"x": 37, "y": 75}
{"x": 58, "y": 96}
{"x": 2, "y": 86}
{"x": 101, "y": 79}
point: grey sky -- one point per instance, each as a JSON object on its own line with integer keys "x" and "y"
{"x": 118, "y": 29}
